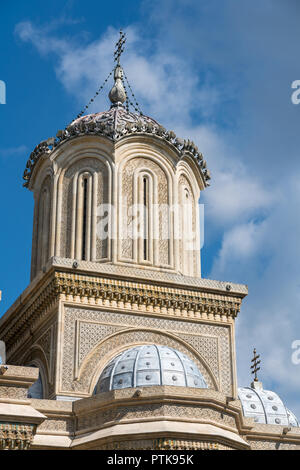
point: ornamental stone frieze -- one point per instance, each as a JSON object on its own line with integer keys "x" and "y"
{"x": 168, "y": 296}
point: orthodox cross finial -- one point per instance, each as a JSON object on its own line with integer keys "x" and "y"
{"x": 255, "y": 364}
{"x": 120, "y": 47}
{"x": 117, "y": 94}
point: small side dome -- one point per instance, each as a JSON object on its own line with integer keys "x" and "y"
{"x": 36, "y": 389}
{"x": 145, "y": 366}
{"x": 265, "y": 407}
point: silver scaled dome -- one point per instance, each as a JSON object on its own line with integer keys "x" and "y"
{"x": 145, "y": 366}
{"x": 265, "y": 407}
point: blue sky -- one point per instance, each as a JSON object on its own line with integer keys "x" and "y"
{"x": 218, "y": 72}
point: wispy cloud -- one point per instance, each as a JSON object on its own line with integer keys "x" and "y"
{"x": 13, "y": 151}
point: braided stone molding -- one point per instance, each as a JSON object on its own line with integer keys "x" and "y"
{"x": 63, "y": 426}
{"x": 116, "y": 124}
{"x": 15, "y": 436}
{"x": 276, "y": 444}
{"x": 162, "y": 444}
{"x": 19, "y": 393}
{"x": 124, "y": 414}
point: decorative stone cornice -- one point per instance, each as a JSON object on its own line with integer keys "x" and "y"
{"x": 27, "y": 313}
{"x": 155, "y": 276}
{"x": 114, "y": 125}
{"x": 143, "y": 294}
{"x": 163, "y": 444}
{"x": 103, "y": 291}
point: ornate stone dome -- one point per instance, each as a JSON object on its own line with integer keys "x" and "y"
{"x": 265, "y": 407}
{"x": 145, "y": 366}
{"x": 115, "y": 124}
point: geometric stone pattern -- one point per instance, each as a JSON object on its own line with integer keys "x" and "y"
{"x": 272, "y": 445}
{"x": 90, "y": 334}
{"x": 162, "y": 444}
{"x": 64, "y": 425}
{"x": 212, "y": 342}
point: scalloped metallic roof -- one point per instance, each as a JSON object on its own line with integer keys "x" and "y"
{"x": 149, "y": 365}
{"x": 115, "y": 124}
{"x": 265, "y": 407}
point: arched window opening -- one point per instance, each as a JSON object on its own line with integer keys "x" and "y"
{"x": 84, "y": 220}
{"x": 187, "y": 233}
{"x": 83, "y": 237}
{"x": 43, "y": 229}
{"x": 145, "y": 219}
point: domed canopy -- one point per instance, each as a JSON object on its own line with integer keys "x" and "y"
{"x": 265, "y": 407}
{"x": 149, "y": 365}
{"x": 115, "y": 124}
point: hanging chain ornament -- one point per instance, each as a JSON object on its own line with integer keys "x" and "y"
{"x": 119, "y": 49}
{"x": 94, "y": 97}
{"x": 136, "y": 106}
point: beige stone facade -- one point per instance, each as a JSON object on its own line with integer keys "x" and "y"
{"x": 92, "y": 297}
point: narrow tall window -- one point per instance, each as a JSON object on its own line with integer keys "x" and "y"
{"x": 145, "y": 202}
{"x": 84, "y": 219}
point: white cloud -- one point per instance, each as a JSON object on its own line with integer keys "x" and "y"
{"x": 239, "y": 244}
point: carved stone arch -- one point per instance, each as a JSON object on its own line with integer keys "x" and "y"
{"x": 150, "y": 145}
{"x": 41, "y": 170}
{"x": 68, "y": 152}
{"x": 37, "y": 357}
{"x": 63, "y": 158}
{"x": 127, "y": 169}
{"x": 147, "y": 154}
{"x": 42, "y": 224}
{"x": 46, "y": 173}
{"x": 194, "y": 170}
{"x": 148, "y": 218}
{"x": 183, "y": 168}
{"x": 100, "y": 193}
{"x": 114, "y": 344}
{"x": 189, "y": 249}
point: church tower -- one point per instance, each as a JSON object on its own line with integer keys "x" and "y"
{"x": 115, "y": 188}
{"x": 134, "y": 348}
